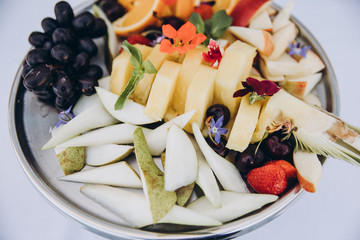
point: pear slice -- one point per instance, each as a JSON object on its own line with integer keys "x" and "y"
{"x": 244, "y": 125}
{"x": 116, "y": 174}
{"x": 227, "y": 174}
{"x": 282, "y": 38}
{"x": 183, "y": 194}
{"x": 116, "y": 134}
{"x": 309, "y": 170}
{"x": 132, "y": 112}
{"x": 262, "y": 22}
{"x": 104, "y": 83}
{"x": 85, "y": 102}
{"x": 156, "y": 139}
{"x": 71, "y": 159}
{"x": 133, "y": 207}
{"x": 93, "y": 117}
{"x": 283, "y": 17}
{"x": 206, "y": 179}
{"x": 234, "y": 205}
{"x": 159, "y": 200}
{"x": 181, "y": 164}
{"x": 107, "y": 153}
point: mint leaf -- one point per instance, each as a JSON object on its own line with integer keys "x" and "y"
{"x": 220, "y": 21}
{"x": 135, "y": 54}
{"x": 128, "y": 90}
{"x": 149, "y": 67}
{"x": 196, "y": 19}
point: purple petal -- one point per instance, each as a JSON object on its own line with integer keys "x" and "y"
{"x": 241, "y": 92}
{"x": 217, "y": 138}
{"x": 212, "y": 124}
{"x": 219, "y": 122}
{"x": 222, "y": 131}
{"x": 304, "y": 51}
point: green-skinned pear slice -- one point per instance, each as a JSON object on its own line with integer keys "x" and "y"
{"x": 133, "y": 207}
{"x": 156, "y": 139}
{"x": 159, "y": 200}
{"x": 107, "y": 153}
{"x": 93, "y": 117}
{"x": 116, "y": 174}
{"x": 314, "y": 129}
{"x": 132, "y": 112}
{"x": 181, "y": 164}
{"x": 234, "y": 205}
{"x": 206, "y": 179}
{"x": 226, "y": 172}
{"x": 115, "y": 134}
{"x": 104, "y": 83}
{"x": 71, "y": 159}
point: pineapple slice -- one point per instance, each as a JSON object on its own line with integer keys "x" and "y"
{"x": 244, "y": 125}
{"x": 234, "y": 68}
{"x": 121, "y": 69}
{"x": 190, "y": 64}
{"x": 200, "y": 95}
{"x": 142, "y": 90}
{"x": 162, "y": 90}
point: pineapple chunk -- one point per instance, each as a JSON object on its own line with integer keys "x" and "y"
{"x": 142, "y": 90}
{"x": 234, "y": 68}
{"x": 121, "y": 69}
{"x": 200, "y": 95}
{"x": 190, "y": 64}
{"x": 244, "y": 125}
{"x": 162, "y": 90}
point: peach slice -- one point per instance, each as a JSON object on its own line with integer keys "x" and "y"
{"x": 260, "y": 39}
{"x": 246, "y": 10}
{"x": 309, "y": 170}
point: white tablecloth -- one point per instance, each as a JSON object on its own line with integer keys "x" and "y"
{"x": 330, "y": 214}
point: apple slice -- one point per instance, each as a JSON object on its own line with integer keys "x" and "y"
{"x": 85, "y": 102}
{"x": 262, "y": 22}
{"x": 132, "y": 112}
{"x": 277, "y": 68}
{"x": 234, "y": 68}
{"x": 162, "y": 90}
{"x": 260, "y": 39}
{"x": 93, "y": 117}
{"x": 281, "y": 40}
{"x": 312, "y": 62}
{"x": 121, "y": 69}
{"x": 114, "y": 134}
{"x": 227, "y": 174}
{"x": 206, "y": 179}
{"x": 181, "y": 164}
{"x": 233, "y": 205}
{"x": 299, "y": 87}
{"x": 156, "y": 139}
{"x": 106, "y": 153}
{"x": 267, "y": 75}
{"x": 159, "y": 200}
{"x": 244, "y": 125}
{"x": 132, "y": 206}
{"x": 116, "y": 174}
{"x": 283, "y": 17}
{"x": 245, "y": 10}
{"x": 200, "y": 95}
{"x": 309, "y": 170}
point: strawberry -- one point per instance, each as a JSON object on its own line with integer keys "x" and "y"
{"x": 290, "y": 170}
{"x": 270, "y": 179}
{"x": 138, "y": 39}
{"x": 205, "y": 11}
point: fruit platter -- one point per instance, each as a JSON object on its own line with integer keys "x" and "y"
{"x": 158, "y": 119}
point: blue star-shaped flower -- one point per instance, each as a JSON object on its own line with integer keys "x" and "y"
{"x": 65, "y": 116}
{"x": 216, "y": 128}
{"x": 296, "y": 49}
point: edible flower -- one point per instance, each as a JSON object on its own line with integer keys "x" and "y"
{"x": 184, "y": 39}
{"x": 169, "y": 2}
{"x": 215, "y": 128}
{"x": 65, "y": 117}
{"x": 257, "y": 89}
{"x": 214, "y": 55}
{"x": 297, "y": 50}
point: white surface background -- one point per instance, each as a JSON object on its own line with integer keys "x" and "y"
{"x": 331, "y": 213}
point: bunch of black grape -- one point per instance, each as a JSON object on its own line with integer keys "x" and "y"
{"x": 58, "y": 69}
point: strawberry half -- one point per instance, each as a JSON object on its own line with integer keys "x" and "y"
{"x": 290, "y": 170}
{"x": 138, "y": 39}
{"x": 270, "y": 179}
{"x": 205, "y": 11}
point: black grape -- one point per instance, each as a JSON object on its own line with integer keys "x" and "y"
{"x": 63, "y": 87}
{"x": 37, "y": 56}
{"x": 88, "y": 46}
{"x": 37, "y": 39}
{"x": 99, "y": 30}
{"x": 80, "y": 62}
{"x": 64, "y": 13}
{"x": 61, "y": 53}
{"x": 94, "y": 71}
{"x": 62, "y": 35}
{"x": 26, "y": 69}
{"x": 84, "y": 22}
{"x": 49, "y": 25}
{"x": 39, "y": 78}
{"x": 88, "y": 84}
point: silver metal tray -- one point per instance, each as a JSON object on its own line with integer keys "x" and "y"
{"x": 30, "y": 121}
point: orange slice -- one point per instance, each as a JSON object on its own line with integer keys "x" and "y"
{"x": 227, "y": 5}
{"x": 127, "y": 4}
{"x": 139, "y": 17}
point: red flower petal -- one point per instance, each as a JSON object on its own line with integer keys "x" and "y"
{"x": 256, "y": 85}
{"x": 169, "y": 31}
{"x": 270, "y": 87}
{"x": 241, "y": 92}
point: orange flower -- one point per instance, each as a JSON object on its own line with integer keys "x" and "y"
{"x": 184, "y": 39}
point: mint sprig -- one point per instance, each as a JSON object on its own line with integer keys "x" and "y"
{"x": 138, "y": 73}
{"x": 214, "y": 27}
